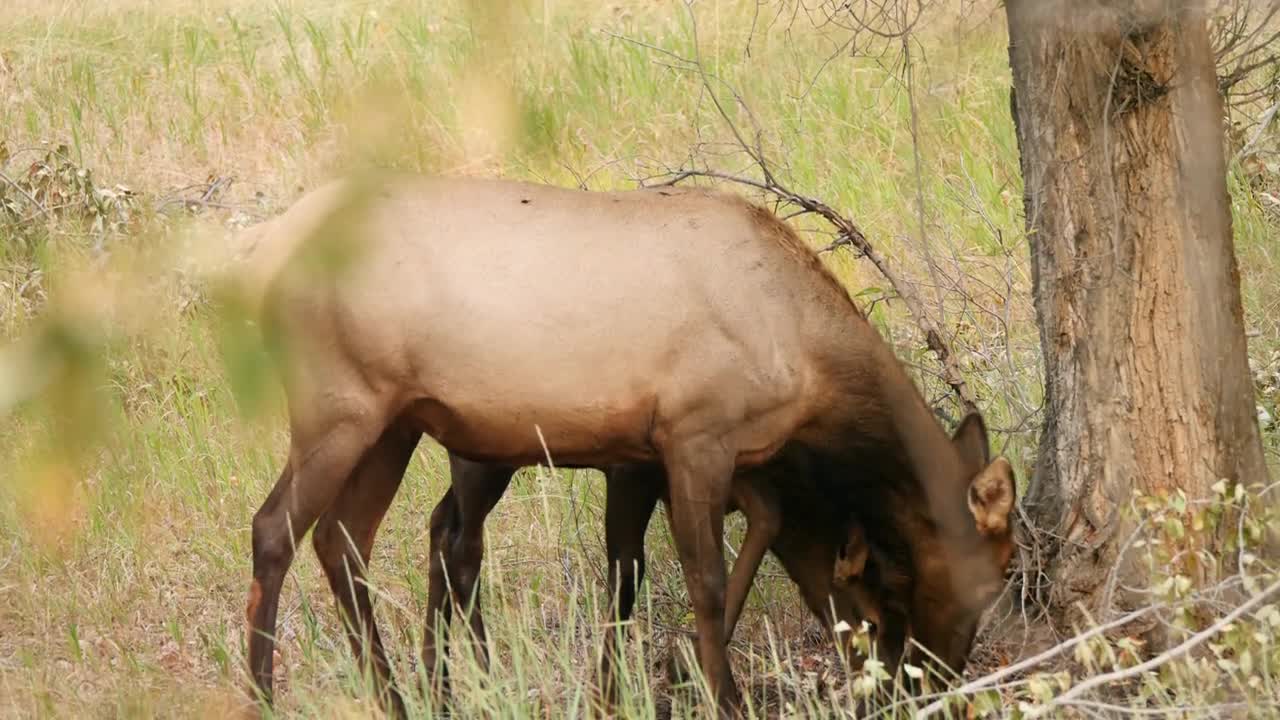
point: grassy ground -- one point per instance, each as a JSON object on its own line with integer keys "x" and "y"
{"x": 130, "y": 480}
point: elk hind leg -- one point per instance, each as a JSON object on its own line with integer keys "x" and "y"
{"x": 343, "y": 541}
{"x": 320, "y": 462}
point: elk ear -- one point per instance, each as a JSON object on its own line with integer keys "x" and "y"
{"x": 971, "y": 442}
{"x": 852, "y": 558}
{"x": 991, "y": 496}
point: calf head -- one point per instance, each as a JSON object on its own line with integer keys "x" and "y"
{"x": 959, "y": 572}
{"x": 853, "y": 587}
{"x": 846, "y": 595}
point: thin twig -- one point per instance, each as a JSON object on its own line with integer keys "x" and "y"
{"x": 1267, "y": 118}
{"x": 41, "y": 209}
{"x": 847, "y": 232}
{"x": 1114, "y": 576}
{"x": 1213, "y": 711}
{"x": 909, "y": 74}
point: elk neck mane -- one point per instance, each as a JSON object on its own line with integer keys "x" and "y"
{"x": 785, "y": 236}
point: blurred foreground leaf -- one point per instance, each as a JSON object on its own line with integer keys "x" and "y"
{"x": 54, "y": 382}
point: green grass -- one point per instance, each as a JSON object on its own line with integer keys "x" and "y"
{"x": 124, "y": 518}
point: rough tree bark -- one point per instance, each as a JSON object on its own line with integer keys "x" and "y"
{"x": 1136, "y": 287}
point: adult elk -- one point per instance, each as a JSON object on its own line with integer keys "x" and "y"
{"x": 682, "y": 326}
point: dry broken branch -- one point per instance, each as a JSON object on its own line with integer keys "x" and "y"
{"x": 1172, "y": 654}
{"x": 849, "y": 234}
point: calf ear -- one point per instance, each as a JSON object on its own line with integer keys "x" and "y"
{"x": 971, "y": 442}
{"x": 852, "y": 558}
{"x": 991, "y": 496}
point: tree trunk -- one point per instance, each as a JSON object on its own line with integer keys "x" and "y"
{"x": 1136, "y": 288}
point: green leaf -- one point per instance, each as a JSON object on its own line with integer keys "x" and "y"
{"x": 73, "y": 642}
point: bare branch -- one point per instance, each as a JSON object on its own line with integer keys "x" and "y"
{"x": 987, "y": 681}
{"x": 39, "y": 208}
{"x": 1172, "y": 654}
{"x": 847, "y": 231}
{"x": 1263, "y": 124}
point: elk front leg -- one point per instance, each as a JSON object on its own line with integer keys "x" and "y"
{"x": 699, "y": 476}
{"x": 343, "y": 541}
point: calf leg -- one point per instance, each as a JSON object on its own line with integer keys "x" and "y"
{"x": 319, "y": 465}
{"x": 478, "y": 487}
{"x": 699, "y": 476}
{"x": 435, "y": 636}
{"x": 632, "y": 492}
{"x": 343, "y": 540}
{"x": 891, "y": 639}
{"x": 758, "y": 501}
